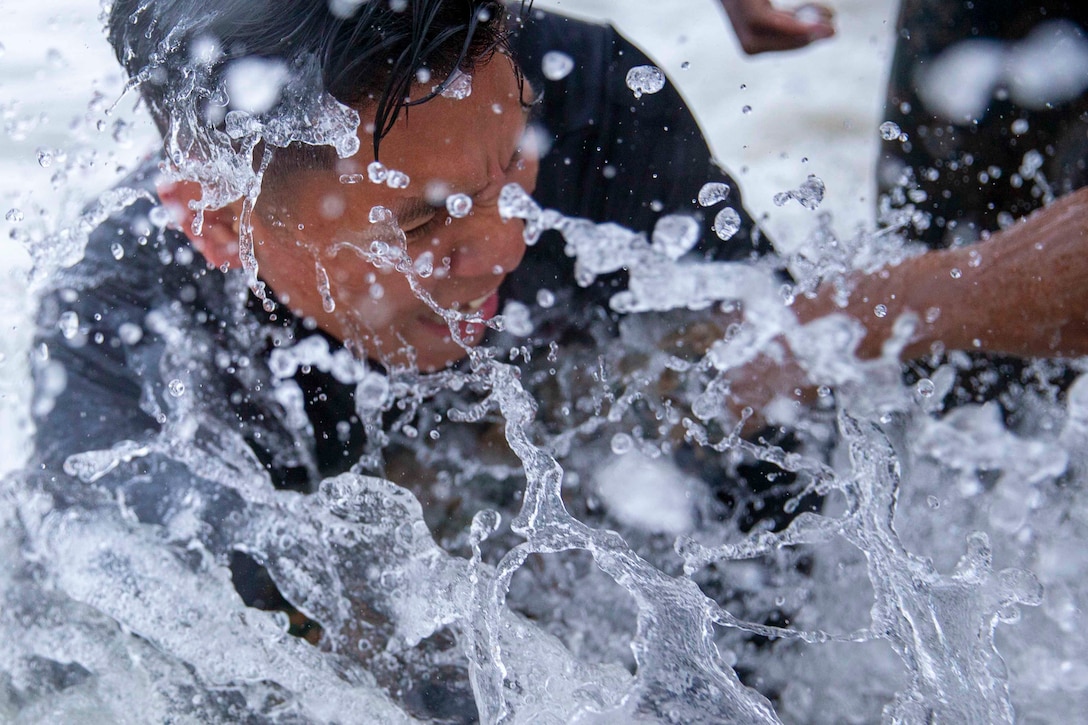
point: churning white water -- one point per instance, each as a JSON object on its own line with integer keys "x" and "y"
{"x": 569, "y": 570}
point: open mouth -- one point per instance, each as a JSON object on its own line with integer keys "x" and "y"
{"x": 487, "y": 306}
{"x": 474, "y": 305}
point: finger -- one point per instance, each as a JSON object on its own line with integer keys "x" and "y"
{"x": 814, "y": 14}
{"x": 780, "y": 30}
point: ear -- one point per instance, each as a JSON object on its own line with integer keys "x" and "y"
{"x": 218, "y": 238}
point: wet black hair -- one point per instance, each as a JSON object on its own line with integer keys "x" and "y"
{"x": 369, "y": 51}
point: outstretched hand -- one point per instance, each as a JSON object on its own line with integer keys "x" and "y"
{"x": 760, "y": 27}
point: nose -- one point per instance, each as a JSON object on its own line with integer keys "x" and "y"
{"x": 487, "y": 246}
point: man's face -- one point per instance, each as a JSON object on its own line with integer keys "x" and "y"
{"x": 319, "y": 225}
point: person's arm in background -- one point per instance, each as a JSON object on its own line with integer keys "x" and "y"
{"x": 760, "y": 27}
{"x": 1023, "y": 292}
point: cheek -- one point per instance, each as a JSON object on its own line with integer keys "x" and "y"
{"x": 525, "y": 169}
{"x": 526, "y": 176}
{"x": 287, "y": 266}
{"x": 374, "y": 298}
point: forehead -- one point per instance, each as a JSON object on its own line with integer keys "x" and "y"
{"x": 461, "y": 141}
{"x": 462, "y": 144}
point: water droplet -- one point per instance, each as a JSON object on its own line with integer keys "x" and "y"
{"x": 130, "y": 333}
{"x": 424, "y": 264}
{"x": 458, "y": 86}
{"x": 159, "y": 216}
{"x": 880, "y": 311}
{"x": 556, "y": 65}
{"x": 176, "y": 388}
{"x": 713, "y": 193}
{"x": 674, "y": 235}
{"x": 933, "y": 502}
{"x": 746, "y": 110}
{"x": 925, "y": 387}
{"x": 371, "y": 393}
{"x": 68, "y": 323}
{"x": 351, "y": 178}
{"x": 517, "y": 318}
{"x": 397, "y": 180}
{"x": 1020, "y": 126}
{"x": 45, "y": 157}
{"x": 380, "y": 215}
{"x": 514, "y": 203}
{"x": 622, "y": 443}
{"x": 891, "y": 132}
{"x": 955, "y": 273}
{"x": 646, "y": 79}
{"x": 117, "y": 250}
{"x": 459, "y": 205}
{"x": 545, "y": 298}
{"x": 809, "y": 195}
{"x": 327, "y": 302}
{"x": 377, "y": 172}
{"x": 727, "y": 223}
{"x": 484, "y": 524}
{"x": 254, "y": 85}
{"x": 14, "y": 215}
{"x": 685, "y": 65}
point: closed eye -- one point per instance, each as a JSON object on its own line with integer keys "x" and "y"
{"x": 425, "y": 229}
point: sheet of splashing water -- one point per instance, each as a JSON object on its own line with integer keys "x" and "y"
{"x": 551, "y": 616}
{"x": 580, "y": 576}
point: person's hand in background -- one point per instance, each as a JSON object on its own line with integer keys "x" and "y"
{"x": 761, "y": 27}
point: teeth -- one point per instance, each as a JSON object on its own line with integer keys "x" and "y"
{"x": 476, "y": 304}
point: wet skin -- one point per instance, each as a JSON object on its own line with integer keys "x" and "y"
{"x": 469, "y": 146}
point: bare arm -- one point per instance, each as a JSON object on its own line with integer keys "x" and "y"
{"x": 760, "y": 27}
{"x": 1023, "y": 292}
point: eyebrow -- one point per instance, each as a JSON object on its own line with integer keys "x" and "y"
{"x": 408, "y": 211}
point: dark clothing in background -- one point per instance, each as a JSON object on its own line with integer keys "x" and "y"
{"x": 976, "y": 176}
{"x": 946, "y": 157}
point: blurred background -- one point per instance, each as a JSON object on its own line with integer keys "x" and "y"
{"x": 771, "y": 120}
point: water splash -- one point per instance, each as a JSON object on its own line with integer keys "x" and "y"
{"x": 143, "y": 534}
{"x": 645, "y": 79}
{"x": 809, "y": 195}
{"x": 556, "y": 65}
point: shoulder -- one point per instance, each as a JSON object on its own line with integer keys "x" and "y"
{"x": 587, "y": 48}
